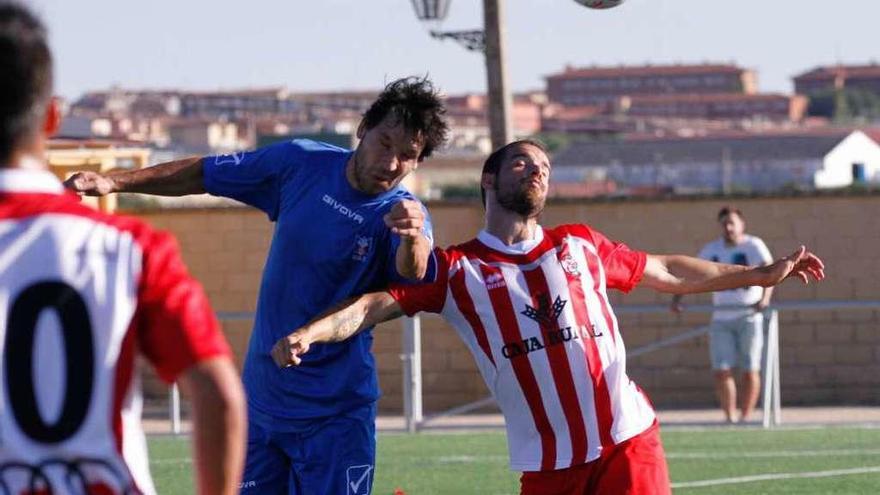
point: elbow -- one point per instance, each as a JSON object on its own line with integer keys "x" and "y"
{"x": 414, "y": 271}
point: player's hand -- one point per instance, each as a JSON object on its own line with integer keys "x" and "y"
{"x": 676, "y": 307}
{"x": 406, "y": 218}
{"x": 90, "y": 184}
{"x": 287, "y": 351}
{"x": 801, "y": 264}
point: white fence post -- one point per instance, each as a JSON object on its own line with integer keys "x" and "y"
{"x": 174, "y": 408}
{"x": 771, "y": 401}
{"x": 412, "y": 373}
{"x": 777, "y": 376}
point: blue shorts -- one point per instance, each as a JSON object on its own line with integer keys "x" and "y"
{"x": 334, "y": 455}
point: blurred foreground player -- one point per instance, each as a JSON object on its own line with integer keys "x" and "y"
{"x": 532, "y": 306}
{"x": 81, "y": 293}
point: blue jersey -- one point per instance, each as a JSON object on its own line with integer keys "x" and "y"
{"x": 330, "y": 243}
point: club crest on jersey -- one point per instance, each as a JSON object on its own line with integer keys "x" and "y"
{"x": 495, "y": 281}
{"x": 234, "y": 158}
{"x": 362, "y": 247}
{"x": 570, "y": 266}
{"x": 545, "y": 313}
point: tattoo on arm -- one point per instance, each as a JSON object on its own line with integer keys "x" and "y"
{"x": 349, "y": 317}
{"x": 345, "y": 323}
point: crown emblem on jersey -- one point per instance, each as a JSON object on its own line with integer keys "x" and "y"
{"x": 545, "y": 313}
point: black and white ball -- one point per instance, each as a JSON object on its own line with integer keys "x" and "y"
{"x": 599, "y": 4}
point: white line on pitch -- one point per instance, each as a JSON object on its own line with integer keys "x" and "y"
{"x": 779, "y": 453}
{"x": 776, "y": 476}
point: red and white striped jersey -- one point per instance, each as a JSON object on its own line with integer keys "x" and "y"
{"x": 537, "y": 319}
{"x": 81, "y": 293}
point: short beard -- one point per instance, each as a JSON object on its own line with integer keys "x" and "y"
{"x": 524, "y": 202}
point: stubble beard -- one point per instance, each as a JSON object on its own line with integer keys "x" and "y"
{"x": 526, "y": 202}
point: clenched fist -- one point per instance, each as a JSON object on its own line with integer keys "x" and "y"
{"x": 90, "y": 184}
{"x": 287, "y": 351}
{"x": 406, "y": 218}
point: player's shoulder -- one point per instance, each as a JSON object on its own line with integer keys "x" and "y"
{"x": 310, "y": 147}
{"x": 754, "y": 240}
{"x": 400, "y": 193}
{"x": 714, "y": 245}
{"x": 579, "y": 230}
{"x": 450, "y": 256}
{"x": 68, "y": 205}
{"x": 390, "y": 198}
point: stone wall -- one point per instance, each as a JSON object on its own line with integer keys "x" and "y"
{"x": 827, "y": 357}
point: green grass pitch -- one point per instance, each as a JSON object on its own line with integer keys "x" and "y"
{"x": 729, "y": 461}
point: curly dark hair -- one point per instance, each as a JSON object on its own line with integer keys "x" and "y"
{"x": 415, "y": 103}
{"x": 493, "y": 164}
{"x": 25, "y": 75}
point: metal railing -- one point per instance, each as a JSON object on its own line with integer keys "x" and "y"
{"x": 771, "y": 400}
{"x": 415, "y": 419}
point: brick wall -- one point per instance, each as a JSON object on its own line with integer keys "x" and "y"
{"x": 826, "y": 356}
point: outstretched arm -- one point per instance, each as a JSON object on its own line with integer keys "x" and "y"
{"x": 176, "y": 178}
{"x": 336, "y": 324}
{"x": 678, "y": 274}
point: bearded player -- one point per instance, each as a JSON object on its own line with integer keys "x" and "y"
{"x": 531, "y": 304}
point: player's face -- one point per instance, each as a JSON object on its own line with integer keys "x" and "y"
{"x": 522, "y": 181}
{"x": 385, "y": 155}
{"x": 732, "y": 227}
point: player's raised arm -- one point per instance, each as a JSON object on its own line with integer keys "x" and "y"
{"x": 336, "y": 324}
{"x": 678, "y": 274}
{"x": 175, "y": 178}
{"x": 407, "y": 219}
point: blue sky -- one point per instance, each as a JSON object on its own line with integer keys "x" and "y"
{"x": 347, "y": 44}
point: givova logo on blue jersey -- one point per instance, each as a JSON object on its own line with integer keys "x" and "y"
{"x": 357, "y": 480}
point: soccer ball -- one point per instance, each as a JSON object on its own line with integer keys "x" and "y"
{"x": 599, "y": 4}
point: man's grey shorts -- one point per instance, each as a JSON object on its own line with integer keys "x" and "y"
{"x": 737, "y": 343}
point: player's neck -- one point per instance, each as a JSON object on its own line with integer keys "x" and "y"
{"x": 27, "y": 157}
{"x": 734, "y": 241}
{"x": 510, "y": 228}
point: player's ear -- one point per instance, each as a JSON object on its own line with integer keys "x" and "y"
{"x": 52, "y": 119}
{"x": 362, "y": 130}
{"x": 487, "y": 181}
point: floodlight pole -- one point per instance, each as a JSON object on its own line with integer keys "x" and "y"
{"x": 500, "y": 101}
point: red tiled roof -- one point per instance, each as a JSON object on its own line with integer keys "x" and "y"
{"x": 708, "y": 97}
{"x": 646, "y": 70}
{"x": 575, "y": 113}
{"x": 831, "y": 71}
{"x": 798, "y": 132}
